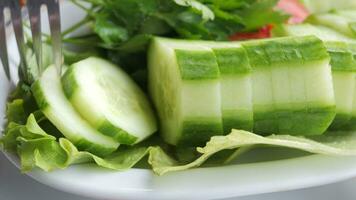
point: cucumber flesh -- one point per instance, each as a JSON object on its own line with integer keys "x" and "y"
{"x": 109, "y": 100}
{"x": 51, "y": 100}
{"x": 185, "y": 87}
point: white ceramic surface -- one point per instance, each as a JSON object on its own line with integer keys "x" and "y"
{"x": 203, "y": 183}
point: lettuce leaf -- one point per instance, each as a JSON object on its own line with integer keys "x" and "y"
{"x": 340, "y": 144}
{"x": 36, "y": 148}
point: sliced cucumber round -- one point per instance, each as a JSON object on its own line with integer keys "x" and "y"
{"x": 109, "y": 100}
{"x": 50, "y": 98}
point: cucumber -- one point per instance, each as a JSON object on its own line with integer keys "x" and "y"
{"x": 185, "y": 88}
{"x": 335, "y": 21}
{"x": 322, "y": 6}
{"x": 53, "y": 103}
{"x": 109, "y": 100}
{"x": 292, "y": 86}
{"x": 236, "y": 86}
{"x": 343, "y": 70}
{"x": 352, "y": 123}
{"x": 322, "y": 32}
{"x": 262, "y": 95}
{"x": 235, "y": 83}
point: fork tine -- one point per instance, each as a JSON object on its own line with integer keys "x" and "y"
{"x": 34, "y": 9}
{"x": 16, "y": 18}
{"x": 55, "y": 26}
{"x": 3, "y": 45}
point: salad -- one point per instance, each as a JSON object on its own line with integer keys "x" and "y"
{"x": 171, "y": 85}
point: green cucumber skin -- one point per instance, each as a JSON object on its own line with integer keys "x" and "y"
{"x": 69, "y": 83}
{"x": 265, "y": 123}
{"x": 39, "y": 96}
{"x": 321, "y": 116}
{"x": 294, "y": 122}
{"x": 81, "y": 143}
{"x": 341, "y": 56}
{"x": 117, "y": 134}
{"x": 70, "y": 86}
{"x": 197, "y": 64}
{"x": 263, "y": 53}
{"x": 197, "y": 131}
{"x": 237, "y": 119}
{"x": 88, "y": 146}
{"x": 340, "y": 121}
{"x": 232, "y": 61}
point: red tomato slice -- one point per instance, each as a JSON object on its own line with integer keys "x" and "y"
{"x": 264, "y": 32}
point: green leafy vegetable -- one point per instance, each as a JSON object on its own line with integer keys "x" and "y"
{"x": 36, "y": 148}
{"x": 335, "y": 144}
{"x": 123, "y": 28}
{"x": 206, "y": 13}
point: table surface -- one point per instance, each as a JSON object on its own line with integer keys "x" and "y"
{"x": 17, "y": 186}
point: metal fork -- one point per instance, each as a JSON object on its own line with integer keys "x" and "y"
{"x": 34, "y": 10}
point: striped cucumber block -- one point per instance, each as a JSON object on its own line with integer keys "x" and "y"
{"x": 292, "y": 85}
{"x": 184, "y": 83}
{"x": 235, "y": 83}
{"x": 352, "y": 123}
{"x": 343, "y": 70}
{"x": 236, "y": 88}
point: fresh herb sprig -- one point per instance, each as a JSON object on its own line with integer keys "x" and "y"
{"x": 121, "y": 29}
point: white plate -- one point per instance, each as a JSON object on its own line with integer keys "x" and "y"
{"x": 203, "y": 183}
